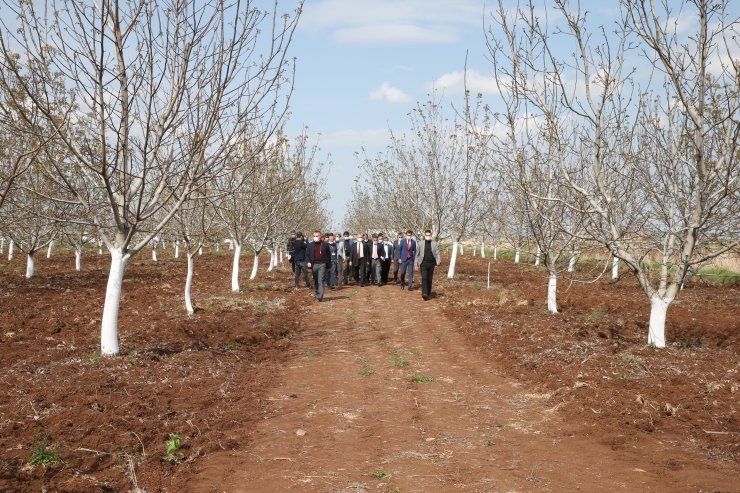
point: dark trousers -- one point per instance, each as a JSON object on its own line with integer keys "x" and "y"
{"x": 396, "y": 266}
{"x": 346, "y": 270}
{"x": 385, "y": 270}
{"x": 361, "y": 271}
{"x": 301, "y": 267}
{"x": 377, "y": 271}
{"x": 427, "y": 272}
{"x": 292, "y": 264}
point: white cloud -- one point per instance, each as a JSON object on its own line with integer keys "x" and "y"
{"x": 454, "y": 82}
{"x": 390, "y": 94}
{"x": 394, "y": 34}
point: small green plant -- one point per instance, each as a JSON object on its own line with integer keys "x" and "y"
{"x": 416, "y": 352}
{"x": 397, "y": 359}
{"x": 230, "y": 346}
{"x": 360, "y": 350}
{"x": 132, "y": 359}
{"x": 353, "y": 294}
{"x": 265, "y": 323}
{"x": 94, "y": 357}
{"x": 595, "y": 314}
{"x": 309, "y": 353}
{"x": 365, "y": 363}
{"x": 367, "y": 373}
{"x": 173, "y": 444}
{"x": 41, "y": 456}
{"x": 380, "y": 475}
{"x": 422, "y": 379}
{"x": 489, "y": 439}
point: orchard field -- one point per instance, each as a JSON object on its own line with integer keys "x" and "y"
{"x": 373, "y": 390}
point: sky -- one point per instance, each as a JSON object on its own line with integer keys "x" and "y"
{"x": 363, "y": 65}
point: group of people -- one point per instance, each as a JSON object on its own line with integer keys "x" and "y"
{"x": 334, "y": 260}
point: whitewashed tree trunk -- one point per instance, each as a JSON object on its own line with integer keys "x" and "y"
{"x": 281, "y": 256}
{"x": 154, "y": 253}
{"x": 30, "y": 265}
{"x": 231, "y": 245}
{"x": 658, "y": 310}
{"x": 516, "y": 257}
{"x": 78, "y": 258}
{"x": 48, "y": 250}
{"x": 2, "y": 244}
{"x": 217, "y": 245}
{"x": 495, "y": 253}
{"x": 254, "y": 266}
{"x": 100, "y": 247}
{"x": 200, "y": 251}
{"x": 453, "y": 261}
{"x": 109, "y": 326}
{"x": 188, "y": 285}
{"x": 552, "y": 293}
{"x": 572, "y": 263}
{"x": 177, "y": 250}
{"x": 272, "y": 260}
{"x": 235, "y": 267}
{"x": 461, "y": 249}
{"x": 10, "y": 250}
{"x": 537, "y": 257}
{"x": 483, "y": 249}
{"x": 474, "y": 246}
{"x": 615, "y": 268}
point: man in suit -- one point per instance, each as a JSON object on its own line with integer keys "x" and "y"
{"x": 406, "y": 257}
{"x": 358, "y": 259}
{"x": 427, "y": 258}
{"x": 396, "y": 265}
{"x": 342, "y": 264}
{"x": 318, "y": 255}
{"x": 377, "y": 255}
{"x": 299, "y": 254}
{"x": 290, "y": 249}
{"x": 388, "y": 249}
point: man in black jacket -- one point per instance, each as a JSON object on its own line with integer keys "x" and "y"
{"x": 318, "y": 256}
{"x": 290, "y": 247}
{"x": 358, "y": 258}
{"x": 396, "y": 265}
{"x": 299, "y": 254}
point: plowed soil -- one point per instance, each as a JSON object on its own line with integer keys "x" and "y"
{"x": 372, "y": 390}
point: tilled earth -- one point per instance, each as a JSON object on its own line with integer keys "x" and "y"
{"x": 373, "y": 389}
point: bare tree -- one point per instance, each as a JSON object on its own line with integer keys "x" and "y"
{"x": 162, "y": 91}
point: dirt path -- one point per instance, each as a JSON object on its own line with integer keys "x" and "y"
{"x": 370, "y": 427}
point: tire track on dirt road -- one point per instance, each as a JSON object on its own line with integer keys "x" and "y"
{"x": 383, "y": 394}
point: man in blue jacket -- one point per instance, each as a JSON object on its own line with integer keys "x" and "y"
{"x": 406, "y": 256}
{"x": 318, "y": 255}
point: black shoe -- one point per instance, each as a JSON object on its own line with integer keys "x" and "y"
{"x": 411, "y": 289}
{"x": 403, "y": 286}
{"x": 425, "y": 297}
{"x": 379, "y": 285}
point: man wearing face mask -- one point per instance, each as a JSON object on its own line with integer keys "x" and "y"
{"x": 406, "y": 257}
{"x": 377, "y": 254}
{"x": 333, "y": 248}
{"x": 427, "y": 258}
{"x": 345, "y": 250}
{"x": 388, "y": 260}
{"x": 396, "y": 265}
{"x": 319, "y": 261}
{"x": 299, "y": 256}
{"x": 358, "y": 259}
{"x": 290, "y": 248}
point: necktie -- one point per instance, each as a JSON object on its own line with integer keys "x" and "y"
{"x": 359, "y": 250}
{"x": 375, "y": 251}
{"x": 408, "y": 249}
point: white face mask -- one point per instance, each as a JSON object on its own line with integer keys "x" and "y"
{"x": 317, "y": 239}
{"x": 408, "y": 237}
{"x": 428, "y": 237}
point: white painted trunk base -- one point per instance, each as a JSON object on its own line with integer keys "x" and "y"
{"x": 217, "y": 245}
{"x": 30, "y": 265}
{"x": 474, "y": 250}
{"x": 658, "y": 311}
{"x": 109, "y": 325}
{"x": 254, "y": 266}
{"x": 200, "y": 251}
{"x": 552, "y": 294}
{"x": 231, "y": 245}
{"x": 188, "y": 285}
{"x": 235, "y": 269}
{"x": 537, "y": 258}
{"x": 495, "y": 253}
{"x": 516, "y": 257}
{"x": 10, "y": 251}
{"x": 100, "y": 247}
{"x": 78, "y": 258}
{"x": 281, "y": 256}
{"x": 572, "y": 263}
{"x": 461, "y": 249}
{"x": 154, "y": 254}
{"x": 48, "y": 250}
{"x": 2, "y": 244}
{"x": 453, "y": 261}
{"x": 615, "y": 268}
{"x": 177, "y": 250}
{"x": 272, "y": 260}
{"x": 483, "y": 249}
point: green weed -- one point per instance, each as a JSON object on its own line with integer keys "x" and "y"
{"x": 309, "y": 353}
{"x": 94, "y": 357}
{"x": 41, "y": 456}
{"x": 353, "y": 294}
{"x": 595, "y": 314}
{"x": 367, "y": 373}
{"x": 173, "y": 444}
{"x": 397, "y": 359}
{"x": 422, "y": 379}
{"x": 380, "y": 475}
{"x": 132, "y": 359}
{"x": 416, "y": 352}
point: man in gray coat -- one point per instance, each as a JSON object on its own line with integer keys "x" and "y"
{"x": 427, "y": 258}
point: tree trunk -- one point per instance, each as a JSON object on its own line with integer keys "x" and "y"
{"x": 2, "y": 244}
{"x": 453, "y": 261}
{"x": 273, "y": 263}
{"x": 658, "y": 310}
{"x": 572, "y": 263}
{"x": 217, "y": 245}
{"x": 231, "y": 245}
{"x": 254, "y": 267}
{"x": 495, "y": 253}
{"x": 615, "y": 268}
{"x": 537, "y": 257}
{"x": 281, "y": 256}
{"x": 78, "y": 258}
{"x": 552, "y": 293}
{"x": 100, "y": 247}
{"x": 188, "y": 285}
{"x": 10, "y": 251}
{"x": 48, "y": 250}
{"x": 483, "y": 249}
{"x": 154, "y": 254}
{"x": 200, "y": 251}
{"x": 461, "y": 249}
{"x": 30, "y": 264}
{"x": 516, "y": 257}
{"x": 474, "y": 246}
{"x": 109, "y": 326}
{"x": 177, "y": 250}
{"x": 235, "y": 268}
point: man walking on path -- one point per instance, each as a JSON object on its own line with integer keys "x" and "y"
{"x": 427, "y": 257}
{"x": 319, "y": 261}
{"x": 406, "y": 257}
{"x": 290, "y": 248}
{"x": 377, "y": 255}
{"x": 333, "y": 270}
{"x": 396, "y": 265}
{"x": 299, "y": 254}
{"x": 388, "y": 250}
{"x": 343, "y": 252}
{"x": 358, "y": 260}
